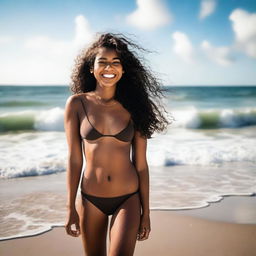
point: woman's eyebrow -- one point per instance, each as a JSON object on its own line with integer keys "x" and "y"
{"x": 103, "y": 58}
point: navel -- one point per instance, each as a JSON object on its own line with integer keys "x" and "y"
{"x": 109, "y": 178}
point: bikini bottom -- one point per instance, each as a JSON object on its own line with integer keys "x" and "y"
{"x": 108, "y": 205}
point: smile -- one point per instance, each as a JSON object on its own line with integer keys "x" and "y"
{"x": 109, "y": 75}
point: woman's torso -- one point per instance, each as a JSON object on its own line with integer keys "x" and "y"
{"x": 106, "y": 133}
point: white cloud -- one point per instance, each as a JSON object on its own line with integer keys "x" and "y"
{"x": 220, "y": 55}
{"x": 183, "y": 47}
{"x": 45, "y": 60}
{"x": 207, "y": 7}
{"x": 149, "y": 15}
{"x": 84, "y": 33}
{"x": 83, "y": 36}
{"x": 244, "y": 26}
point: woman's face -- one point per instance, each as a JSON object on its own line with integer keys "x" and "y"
{"x": 107, "y": 67}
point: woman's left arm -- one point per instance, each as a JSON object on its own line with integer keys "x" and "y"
{"x": 139, "y": 159}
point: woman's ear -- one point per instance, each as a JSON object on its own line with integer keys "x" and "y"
{"x": 91, "y": 68}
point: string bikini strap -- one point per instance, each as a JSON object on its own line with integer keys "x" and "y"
{"x": 85, "y": 112}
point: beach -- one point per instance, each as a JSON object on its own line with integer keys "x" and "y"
{"x": 171, "y": 234}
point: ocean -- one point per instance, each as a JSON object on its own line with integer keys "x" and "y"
{"x": 207, "y": 152}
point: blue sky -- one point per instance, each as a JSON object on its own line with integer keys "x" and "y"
{"x": 197, "y": 42}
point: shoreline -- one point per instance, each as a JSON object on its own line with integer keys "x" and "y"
{"x": 237, "y": 209}
{"x": 171, "y": 234}
{"x": 208, "y": 203}
{"x": 222, "y": 210}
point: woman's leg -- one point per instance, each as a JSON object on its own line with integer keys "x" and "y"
{"x": 124, "y": 227}
{"x": 93, "y": 225}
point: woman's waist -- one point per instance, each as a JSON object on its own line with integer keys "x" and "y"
{"x": 110, "y": 182}
{"x": 108, "y": 164}
{"x": 111, "y": 173}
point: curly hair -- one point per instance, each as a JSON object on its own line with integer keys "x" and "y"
{"x": 139, "y": 91}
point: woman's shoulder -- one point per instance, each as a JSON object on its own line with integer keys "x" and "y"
{"x": 73, "y": 99}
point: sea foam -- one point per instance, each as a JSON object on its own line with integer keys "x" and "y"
{"x": 38, "y": 120}
{"x": 41, "y": 153}
{"x": 193, "y": 118}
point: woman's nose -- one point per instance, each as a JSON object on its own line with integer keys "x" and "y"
{"x": 108, "y": 66}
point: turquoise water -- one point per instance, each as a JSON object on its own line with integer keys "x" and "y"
{"x": 26, "y": 97}
{"x": 214, "y": 97}
{"x": 211, "y": 107}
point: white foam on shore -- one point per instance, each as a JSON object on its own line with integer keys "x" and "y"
{"x": 189, "y": 187}
{"x": 41, "y": 153}
{"x": 31, "y": 214}
{"x": 39, "y": 231}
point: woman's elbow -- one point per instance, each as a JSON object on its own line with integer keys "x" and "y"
{"x": 142, "y": 168}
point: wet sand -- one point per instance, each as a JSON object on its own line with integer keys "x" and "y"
{"x": 172, "y": 234}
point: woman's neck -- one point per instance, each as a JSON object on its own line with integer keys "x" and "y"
{"x": 105, "y": 97}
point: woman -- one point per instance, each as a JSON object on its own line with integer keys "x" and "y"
{"x": 111, "y": 111}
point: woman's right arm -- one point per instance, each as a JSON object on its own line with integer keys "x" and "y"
{"x": 74, "y": 161}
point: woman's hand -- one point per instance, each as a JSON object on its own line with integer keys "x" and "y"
{"x": 72, "y": 219}
{"x": 145, "y": 228}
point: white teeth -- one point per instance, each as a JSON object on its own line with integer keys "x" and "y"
{"x": 108, "y": 75}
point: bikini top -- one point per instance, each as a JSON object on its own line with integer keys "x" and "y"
{"x": 125, "y": 135}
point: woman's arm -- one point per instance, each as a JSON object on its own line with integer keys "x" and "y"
{"x": 74, "y": 161}
{"x": 139, "y": 159}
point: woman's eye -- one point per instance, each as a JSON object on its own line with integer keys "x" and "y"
{"x": 116, "y": 63}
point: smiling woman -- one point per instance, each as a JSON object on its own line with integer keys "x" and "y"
{"x": 107, "y": 67}
{"x": 110, "y": 113}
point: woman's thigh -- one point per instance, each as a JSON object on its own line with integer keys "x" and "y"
{"x": 93, "y": 225}
{"x": 124, "y": 227}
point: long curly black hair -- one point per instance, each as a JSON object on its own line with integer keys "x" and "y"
{"x": 139, "y": 91}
